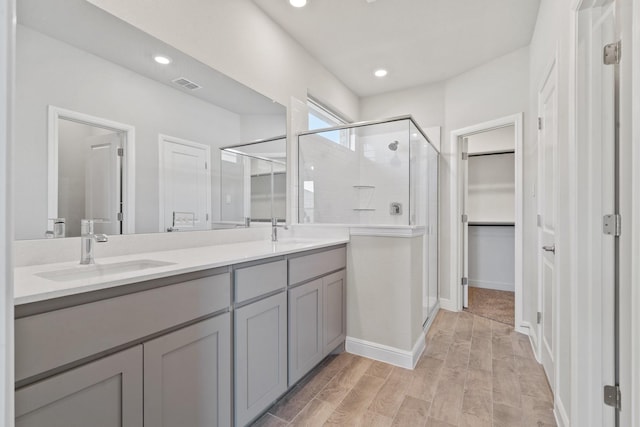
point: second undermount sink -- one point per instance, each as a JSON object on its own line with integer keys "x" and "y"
{"x": 100, "y": 270}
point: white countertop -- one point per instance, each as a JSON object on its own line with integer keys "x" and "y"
{"x": 29, "y": 287}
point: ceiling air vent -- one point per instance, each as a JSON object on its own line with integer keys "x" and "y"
{"x": 186, "y": 83}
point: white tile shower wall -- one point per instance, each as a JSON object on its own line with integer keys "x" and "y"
{"x": 386, "y": 170}
{"x": 332, "y": 169}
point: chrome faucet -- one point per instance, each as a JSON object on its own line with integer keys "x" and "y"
{"x": 274, "y": 229}
{"x": 88, "y": 240}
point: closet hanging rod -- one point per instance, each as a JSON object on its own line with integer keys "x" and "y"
{"x": 492, "y": 153}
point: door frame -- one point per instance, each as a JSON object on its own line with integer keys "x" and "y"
{"x": 128, "y": 161}
{"x": 162, "y": 138}
{"x": 587, "y": 312}
{"x": 515, "y": 120}
{"x": 630, "y": 330}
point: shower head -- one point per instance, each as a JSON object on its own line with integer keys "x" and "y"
{"x": 393, "y": 146}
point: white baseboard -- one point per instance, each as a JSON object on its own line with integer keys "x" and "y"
{"x": 432, "y": 316}
{"x": 523, "y": 328}
{"x": 497, "y": 286}
{"x": 384, "y": 353}
{"x": 448, "y": 304}
{"x": 533, "y": 339}
{"x": 562, "y": 419}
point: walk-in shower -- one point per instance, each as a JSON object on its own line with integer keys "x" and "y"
{"x": 381, "y": 174}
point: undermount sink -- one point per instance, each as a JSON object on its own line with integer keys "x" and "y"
{"x": 100, "y": 270}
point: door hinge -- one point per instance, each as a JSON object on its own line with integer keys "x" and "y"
{"x": 464, "y": 281}
{"x": 206, "y": 165}
{"x": 539, "y": 317}
{"x": 120, "y": 216}
{"x": 465, "y": 156}
{"x": 612, "y": 53}
{"x": 612, "y": 225}
{"x": 207, "y": 217}
{"x": 539, "y": 123}
{"x": 612, "y": 396}
{"x": 539, "y": 220}
{"x": 464, "y": 218}
{"x": 120, "y": 152}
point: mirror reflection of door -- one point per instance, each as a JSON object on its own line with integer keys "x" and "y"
{"x": 185, "y": 185}
{"x": 89, "y": 176}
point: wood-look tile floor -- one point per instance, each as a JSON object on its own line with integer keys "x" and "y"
{"x": 474, "y": 372}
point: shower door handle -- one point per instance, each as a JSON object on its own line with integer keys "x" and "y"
{"x": 549, "y": 248}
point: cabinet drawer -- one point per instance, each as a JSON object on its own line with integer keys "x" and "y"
{"x": 50, "y": 340}
{"x": 251, "y": 282}
{"x": 314, "y": 265}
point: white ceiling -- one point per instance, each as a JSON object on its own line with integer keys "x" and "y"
{"x": 417, "y": 41}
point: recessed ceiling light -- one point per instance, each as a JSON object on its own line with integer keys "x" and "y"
{"x": 380, "y": 73}
{"x": 164, "y": 60}
{"x": 298, "y": 3}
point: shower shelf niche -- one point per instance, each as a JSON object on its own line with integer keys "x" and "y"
{"x": 364, "y": 197}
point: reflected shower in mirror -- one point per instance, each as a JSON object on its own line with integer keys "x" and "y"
{"x": 253, "y": 182}
{"x": 177, "y": 115}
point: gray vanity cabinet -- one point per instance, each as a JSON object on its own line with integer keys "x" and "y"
{"x": 334, "y": 289}
{"x": 176, "y": 370}
{"x": 260, "y": 356}
{"x": 260, "y": 327}
{"x": 317, "y": 308}
{"x": 306, "y": 346}
{"x": 187, "y": 376}
{"x": 104, "y": 393}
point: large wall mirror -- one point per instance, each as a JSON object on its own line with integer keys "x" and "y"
{"x": 104, "y": 131}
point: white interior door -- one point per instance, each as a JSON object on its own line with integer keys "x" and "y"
{"x": 185, "y": 199}
{"x": 465, "y": 221}
{"x": 103, "y": 195}
{"x": 547, "y": 148}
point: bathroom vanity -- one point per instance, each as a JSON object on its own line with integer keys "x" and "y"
{"x": 208, "y": 336}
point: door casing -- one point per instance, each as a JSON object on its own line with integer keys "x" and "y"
{"x": 455, "y": 302}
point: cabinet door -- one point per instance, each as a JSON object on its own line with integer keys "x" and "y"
{"x": 187, "y": 376}
{"x": 104, "y": 393}
{"x": 335, "y": 310}
{"x": 260, "y": 356}
{"x": 305, "y": 329}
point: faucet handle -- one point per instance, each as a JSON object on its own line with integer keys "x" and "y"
{"x": 101, "y": 238}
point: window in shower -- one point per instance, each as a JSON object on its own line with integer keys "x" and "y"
{"x": 321, "y": 117}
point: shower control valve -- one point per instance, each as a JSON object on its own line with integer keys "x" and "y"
{"x": 395, "y": 208}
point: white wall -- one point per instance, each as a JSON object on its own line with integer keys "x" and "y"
{"x": 500, "y": 139}
{"x": 491, "y": 257}
{"x": 491, "y": 188}
{"x": 91, "y": 85}
{"x": 425, "y": 103}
